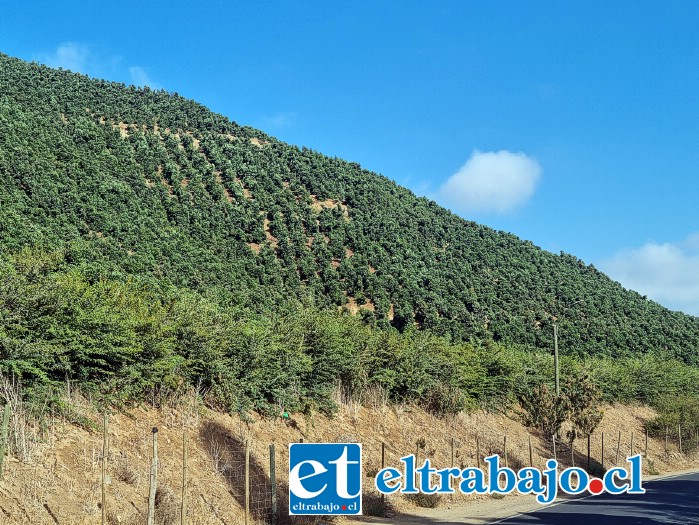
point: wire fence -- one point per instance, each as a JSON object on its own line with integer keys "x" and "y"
{"x": 256, "y": 476}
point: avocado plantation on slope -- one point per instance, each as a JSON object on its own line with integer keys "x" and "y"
{"x": 149, "y": 247}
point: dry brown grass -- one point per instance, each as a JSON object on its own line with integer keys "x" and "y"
{"x": 62, "y": 482}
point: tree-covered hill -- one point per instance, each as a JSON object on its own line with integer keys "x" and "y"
{"x": 139, "y": 184}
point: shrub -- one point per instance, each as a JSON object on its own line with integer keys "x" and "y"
{"x": 445, "y": 400}
{"x": 427, "y": 501}
{"x": 544, "y": 410}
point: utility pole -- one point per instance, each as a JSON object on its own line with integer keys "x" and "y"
{"x": 555, "y": 345}
{"x": 555, "y": 358}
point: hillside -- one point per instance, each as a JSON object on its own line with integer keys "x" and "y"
{"x": 155, "y": 254}
{"x": 134, "y": 182}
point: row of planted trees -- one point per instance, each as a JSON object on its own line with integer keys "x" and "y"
{"x": 123, "y": 340}
{"x": 577, "y": 408}
{"x": 154, "y": 185}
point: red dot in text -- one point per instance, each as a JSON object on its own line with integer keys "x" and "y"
{"x": 344, "y": 507}
{"x": 596, "y": 486}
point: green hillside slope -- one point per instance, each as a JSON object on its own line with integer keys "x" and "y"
{"x": 134, "y": 182}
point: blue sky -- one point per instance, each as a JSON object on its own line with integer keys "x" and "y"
{"x": 574, "y": 126}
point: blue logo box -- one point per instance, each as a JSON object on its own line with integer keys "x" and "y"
{"x": 325, "y": 479}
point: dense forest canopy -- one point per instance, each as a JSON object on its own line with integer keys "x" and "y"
{"x": 121, "y": 209}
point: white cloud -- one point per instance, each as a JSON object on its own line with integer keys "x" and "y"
{"x": 69, "y": 55}
{"x": 491, "y": 181}
{"x": 279, "y": 120}
{"x": 667, "y": 273}
{"x": 140, "y": 77}
{"x": 81, "y": 58}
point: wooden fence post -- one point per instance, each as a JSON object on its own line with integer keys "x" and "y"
{"x": 631, "y": 443}
{"x": 105, "y": 423}
{"x": 589, "y": 438}
{"x": 478, "y": 450}
{"x": 185, "y": 471}
{"x": 618, "y": 448}
{"x": 679, "y": 436}
{"x": 602, "y": 451}
{"x": 452, "y": 451}
{"x": 504, "y": 449}
{"x": 667, "y": 433}
{"x": 645, "y": 452}
{"x": 247, "y": 481}
{"x": 572, "y": 453}
{"x": 273, "y": 481}
{"x": 555, "y": 456}
{"x": 153, "y": 478}
{"x": 4, "y": 441}
{"x": 383, "y": 464}
{"x": 531, "y": 455}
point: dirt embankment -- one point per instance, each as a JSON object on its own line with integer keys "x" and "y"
{"x": 58, "y": 479}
